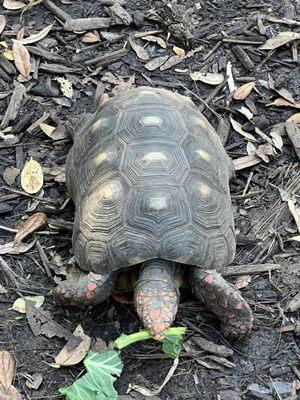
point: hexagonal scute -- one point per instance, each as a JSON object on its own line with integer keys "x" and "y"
{"x": 210, "y": 207}
{"x": 151, "y": 121}
{"x": 152, "y": 162}
{"x": 157, "y": 209}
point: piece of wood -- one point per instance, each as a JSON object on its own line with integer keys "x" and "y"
{"x": 86, "y": 24}
{"x": 246, "y": 162}
{"x": 243, "y": 57}
{"x": 107, "y": 57}
{"x": 248, "y": 269}
{"x": 14, "y": 104}
{"x": 58, "y": 12}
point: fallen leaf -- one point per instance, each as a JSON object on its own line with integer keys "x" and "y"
{"x": 33, "y": 223}
{"x": 10, "y": 174}
{"x": 295, "y": 211}
{"x": 293, "y": 132}
{"x": 10, "y": 394}
{"x": 20, "y": 304}
{"x": 41, "y": 322}
{"x": 209, "y": 78}
{"x": 280, "y": 102}
{"x": 155, "y": 39}
{"x": 90, "y": 37}
{"x": 73, "y": 356}
{"x": 139, "y": 50}
{"x": 294, "y": 119}
{"x": 277, "y": 140}
{"x": 296, "y": 238}
{"x": 35, "y": 381}
{"x": 282, "y": 92}
{"x": 246, "y": 112}
{"x": 65, "y": 86}
{"x": 246, "y": 162}
{"x": 251, "y": 149}
{"x": 243, "y": 92}
{"x": 35, "y": 37}
{"x": 280, "y": 40}
{"x": 7, "y": 369}
{"x": 13, "y": 5}
{"x": 2, "y": 23}
{"x": 238, "y": 128}
{"x": 32, "y": 177}
{"x": 173, "y": 60}
{"x": 179, "y": 51}
{"x": 21, "y": 58}
{"x": 47, "y": 129}
{"x": 15, "y": 247}
{"x": 156, "y": 63}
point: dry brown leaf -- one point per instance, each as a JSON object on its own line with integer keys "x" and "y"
{"x": 10, "y": 174}
{"x": 35, "y": 37}
{"x": 32, "y": 177}
{"x": 277, "y": 140}
{"x": 73, "y": 356}
{"x": 179, "y": 51}
{"x": 2, "y": 23}
{"x": 156, "y": 63}
{"x": 90, "y": 37}
{"x": 7, "y": 369}
{"x": 33, "y": 223}
{"x": 251, "y": 149}
{"x": 242, "y": 281}
{"x": 21, "y": 58}
{"x": 294, "y": 119}
{"x": 280, "y": 40}
{"x": 238, "y": 128}
{"x": 155, "y": 39}
{"x": 246, "y": 162}
{"x": 13, "y": 5}
{"x": 15, "y": 247}
{"x": 282, "y": 92}
{"x": 20, "y": 304}
{"x": 65, "y": 86}
{"x": 173, "y": 60}
{"x": 209, "y": 78}
{"x": 296, "y": 238}
{"x": 280, "y": 102}
{"x": 246, "y": 112}
{"x": 295, "y": 211}
{"x": 139, "y": 50}
{"x": 243, "y": 92}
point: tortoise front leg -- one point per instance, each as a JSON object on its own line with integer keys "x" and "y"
{"x": 224, "y": 301}
{"x": 85, "y": 290}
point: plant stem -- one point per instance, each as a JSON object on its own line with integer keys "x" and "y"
{"x": 126, "y": 340}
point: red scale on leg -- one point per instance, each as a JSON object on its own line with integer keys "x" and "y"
{"x": 91, "y": 286}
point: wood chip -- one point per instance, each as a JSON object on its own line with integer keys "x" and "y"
{"x": 14, "y": 104}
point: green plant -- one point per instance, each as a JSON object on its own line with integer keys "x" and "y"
{"x": 104, "y": 368}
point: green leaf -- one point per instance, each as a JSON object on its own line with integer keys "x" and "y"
{"x": 172, "y": 345}
{"x": 97, "y": 383}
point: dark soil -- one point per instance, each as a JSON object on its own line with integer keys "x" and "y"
{"x": 264, "y": 223}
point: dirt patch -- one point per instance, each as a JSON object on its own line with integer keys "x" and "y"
{"x": 209, "y": 35}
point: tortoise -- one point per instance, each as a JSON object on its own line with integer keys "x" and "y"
{"x": 149, "y": 177}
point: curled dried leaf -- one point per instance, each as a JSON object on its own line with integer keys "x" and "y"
{"x": 139, "y": 50}
{"x": 155, "y": 39}
{"x": 22, "y": 58}
{"x": 179, "y": 51}
{"x": 280, "y": 102}
{"x": 238, "y": 128}
{"x": 20, "y": 304}
{"x": 13, "y": 5}
{"x": 35, "y": 37}
{"x": 243, "y": 92}
{"x": 90, "y": 37}
{"x": 33, "y": 223}
{"x": 209, "y": 78}
{"x": 15, "y": 247}
{"x": 280, "y": 40}
{"x": 294, "y": 119}
{"x": 242, "y": 281}
{"x": 32, "y": 177}
{"x": 2, "y": 23}
{"x": 7, "y": 369}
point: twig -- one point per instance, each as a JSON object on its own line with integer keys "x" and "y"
{"x": 86, "y": 24}
{"x": 247, "y": 269}
{"x": 108, "y": 56}
{"x": 58, "y": 12}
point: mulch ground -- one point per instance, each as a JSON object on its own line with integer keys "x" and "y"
{"x": 160, "y": 44}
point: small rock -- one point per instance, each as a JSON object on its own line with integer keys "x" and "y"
{"x": 44, "y": 90}
{"x": 138, "y": 19}
{"x": 281, "y": 387}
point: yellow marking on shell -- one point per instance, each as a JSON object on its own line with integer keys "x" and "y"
{"x": 154, "y": 156}
{"x": 108, "y": 190}
{"x": 202, "y": 123}
{"x": 151, "y": 120}
{"x": 205, "y": 190}
{"x": 96, "y": 125}
{"x": 158, "y": 203}
{"x": 203, "y": 154}
{"x": 100, "y": 158}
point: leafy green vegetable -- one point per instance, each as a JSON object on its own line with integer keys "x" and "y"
{"x": 104, "y": 368}
{"x": 172, "y": 345}
{"x": 97, "y": 383}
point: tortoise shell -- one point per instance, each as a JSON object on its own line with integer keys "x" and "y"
{"x": 150, "y": 179}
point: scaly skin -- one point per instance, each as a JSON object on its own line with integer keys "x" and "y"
{"x": 224, "y": 301}
{"x": 85, "y": 290}
{"x": 156, "y": 297}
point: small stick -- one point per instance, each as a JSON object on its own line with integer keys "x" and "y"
{"x": 107, "y": 57}
{"x": 247, "y": 269}
{"x": 247, "y": 184}
{"x": 243, "y": 57}
{"x": 58, "y": 12}
{"x": 44, "y": 259}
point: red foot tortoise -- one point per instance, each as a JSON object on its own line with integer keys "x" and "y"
{"x": 150, "y": 181}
